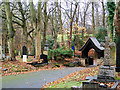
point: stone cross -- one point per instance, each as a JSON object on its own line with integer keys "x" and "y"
{"x": 107, "y": 46}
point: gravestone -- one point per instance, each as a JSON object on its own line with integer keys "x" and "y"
{"x": 29, "y": 52}
{"x": 24, "y": 53}
{"x": 44, "y": 57}
{"x": 24, "y": 49}
{"x": 106, "y": 71}
{"x": 90, "y": 85}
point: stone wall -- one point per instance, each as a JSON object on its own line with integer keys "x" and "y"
{"x": 82, "y": 61}
{"x": 96, "y": 62}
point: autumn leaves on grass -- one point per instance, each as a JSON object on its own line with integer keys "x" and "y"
{"x": 76, "y": 76}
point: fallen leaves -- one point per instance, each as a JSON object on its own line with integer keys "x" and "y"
{"x": 76, "y": 76}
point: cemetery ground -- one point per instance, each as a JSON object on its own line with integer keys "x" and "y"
{"x": 19, "y": 67}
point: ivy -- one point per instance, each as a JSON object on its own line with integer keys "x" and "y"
{"x": 111, "y": 10}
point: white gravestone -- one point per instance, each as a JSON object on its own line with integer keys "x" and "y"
{"x": 24, "y": 58}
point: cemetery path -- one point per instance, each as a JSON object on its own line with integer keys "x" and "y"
{"x": 36, "y": 79}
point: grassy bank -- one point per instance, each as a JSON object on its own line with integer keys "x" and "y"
{"x": 73, "y": 79}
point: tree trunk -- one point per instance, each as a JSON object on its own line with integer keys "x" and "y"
{"x": 97, "y": 15}
{"x": 71, "y": 22}
{"x": 70, "y": 34}
{"x": 45, "y": 25}
{"x": 117, "y": 24}
{"x": 11, "y": 31}
{"x": 55, "y": 30}
{"x": 84, "y": 18}
{"x": 38, "y": 32}
{"x": 24, "y": 33}
{"x": 93, "y": 23}
{"x": 103, "y": 13}
{"x": 33, "y": 24}
{"x": 61, "y": 27}
{"x": 77, "y": 35}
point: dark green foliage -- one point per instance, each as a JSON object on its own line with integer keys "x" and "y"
{"x": 102, "y": 32}
{"x": 75, "y": 41}
{"x": 51, "y": 43}
{"x": 60, "y": 53}
{"x": 111, "y": 9}
{"x": 56, "y": 65}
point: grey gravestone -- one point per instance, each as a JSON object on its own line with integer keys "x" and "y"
{"x": 24, "y": 49}
{"x": 107, "y": 71}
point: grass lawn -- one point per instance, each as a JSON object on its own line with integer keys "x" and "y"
{"x": 66, "y": 85}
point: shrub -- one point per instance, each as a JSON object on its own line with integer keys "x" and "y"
{"x": 60, "y": 53}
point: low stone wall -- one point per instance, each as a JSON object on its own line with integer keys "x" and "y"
{"x": 82, "y": 61}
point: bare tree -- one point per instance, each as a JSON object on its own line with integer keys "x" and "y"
{"x": 71, "y": 17}
{"x": 61, "y": 25}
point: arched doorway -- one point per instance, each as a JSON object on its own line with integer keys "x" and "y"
{"x": 90, "y": 61}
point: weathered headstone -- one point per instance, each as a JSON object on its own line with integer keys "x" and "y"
{"x": 24, "y": 49}
{"x": 24, "y": 53}
{"x": 44, "y": 57}
{"x": 106, "y": 71}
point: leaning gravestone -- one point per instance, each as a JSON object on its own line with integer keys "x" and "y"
{"x": 107, "y": 71}
{"x": 24, "y": 49}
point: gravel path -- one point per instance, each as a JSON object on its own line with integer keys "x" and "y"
{"x": 36, "y": 79}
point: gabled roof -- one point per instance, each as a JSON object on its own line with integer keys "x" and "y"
{"x": 95, "y": 44}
